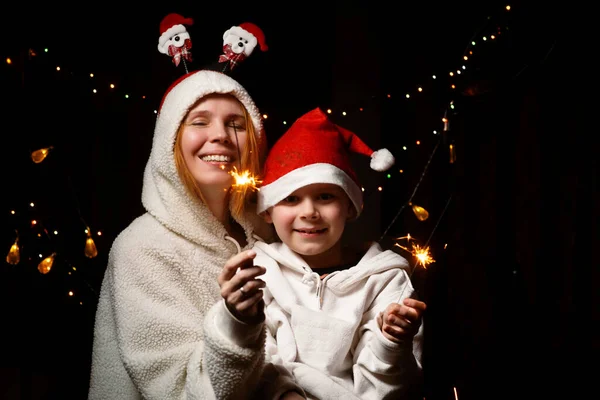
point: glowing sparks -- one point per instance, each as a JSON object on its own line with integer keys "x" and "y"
{"x": 422, "y": 254}
{"x": 244, "y": 178}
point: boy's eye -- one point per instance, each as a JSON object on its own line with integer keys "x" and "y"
{"x": 290, "y": 199}
{"x": 326, "y": 196}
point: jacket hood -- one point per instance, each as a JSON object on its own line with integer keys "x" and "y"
{"x": 164, "y": 195}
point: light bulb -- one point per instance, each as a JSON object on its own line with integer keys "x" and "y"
{"x": 40, "y": 155}
{"x": 46, "y": 264}
{"x": 90, "y": 248}
{"x": 420, "y": 212}
{"x": 14, "y": 255}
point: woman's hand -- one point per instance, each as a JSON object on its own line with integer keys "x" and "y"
{"x": 241, "y": 289}
{"x": 400, "y": 322}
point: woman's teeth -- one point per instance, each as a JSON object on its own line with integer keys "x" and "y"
{"x": 216, "y": 158}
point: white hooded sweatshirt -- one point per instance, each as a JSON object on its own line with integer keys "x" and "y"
{"x": 162, "y": 331}
{"x": 327, "y": 332}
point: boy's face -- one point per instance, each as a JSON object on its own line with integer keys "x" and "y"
{"x": 311, "y": 220}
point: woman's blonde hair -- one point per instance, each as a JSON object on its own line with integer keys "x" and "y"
{"x": 251, "y": 161}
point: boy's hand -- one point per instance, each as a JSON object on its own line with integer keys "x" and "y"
{"x": 241, "y": 289}
{"x": 400, "y": 322}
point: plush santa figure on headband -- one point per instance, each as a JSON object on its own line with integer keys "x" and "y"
{"x": 174, "y": 38}
{"x": 239, "y": 42}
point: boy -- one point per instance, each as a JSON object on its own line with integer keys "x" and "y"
{"x": 332, "y": 314}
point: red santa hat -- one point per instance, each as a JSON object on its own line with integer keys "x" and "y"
{"x": 171, "y": 25}
{"x": 256, "y": 32}
{"x": 315, "y": 150}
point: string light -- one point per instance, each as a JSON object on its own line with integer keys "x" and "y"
{"x": 46, "y": 264}
{"x": 14, "y": 254}
{"x": 40, "y": 155}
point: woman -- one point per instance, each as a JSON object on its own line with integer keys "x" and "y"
{"x": 164, "y": 329}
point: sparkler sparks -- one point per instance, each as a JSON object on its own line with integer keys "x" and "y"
{"x": 422, "y": 254}
{"x": 244, "y": 178}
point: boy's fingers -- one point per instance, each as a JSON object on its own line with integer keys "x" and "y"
{"x": 419, "y": 305}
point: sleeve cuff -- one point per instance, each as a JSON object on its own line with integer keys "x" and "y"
{"x": 240, "y": 333}
{"x": 386, "y": 350}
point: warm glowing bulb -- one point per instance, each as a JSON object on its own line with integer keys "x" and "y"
{"x": 507, "y": 8}
{"x": 420, "y": 89}
{"x": 58, "y": 68}
{"x": 46, "y": 264}
{"x": 40, "y": 155}
{"x": 329, "y": 111}
{"x": 91, "y": 75}
{"x": 70, "y": 293}
{"x": 407, "y": 96}
{"x": 380, "y": 188}
{"x": 14, "y": 255}
{"x": 90, "y": 248}
{"x": 452, "y": 154}
{"x": 8, "y": 61}
{"x": 265, "y": 116}
{"x": 344, "y": 113}
{"x": 420, "y": 212}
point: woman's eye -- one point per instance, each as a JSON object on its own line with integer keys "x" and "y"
{"x": 237, "y": 126}
{"x": 290, "y": 199}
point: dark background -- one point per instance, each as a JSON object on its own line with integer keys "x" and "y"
{"x": 513, "y": 222}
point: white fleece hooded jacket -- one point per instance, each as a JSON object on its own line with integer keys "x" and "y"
{"x": 162, "y": 331}
{"x": 327, "y": 332}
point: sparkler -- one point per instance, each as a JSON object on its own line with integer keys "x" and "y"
{"x": 244, "y": 178}
{"x": 422, "y": 255}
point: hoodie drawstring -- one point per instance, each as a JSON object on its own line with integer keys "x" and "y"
{"x": 314, "y": 279}
{"x": 237, "y": 245}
